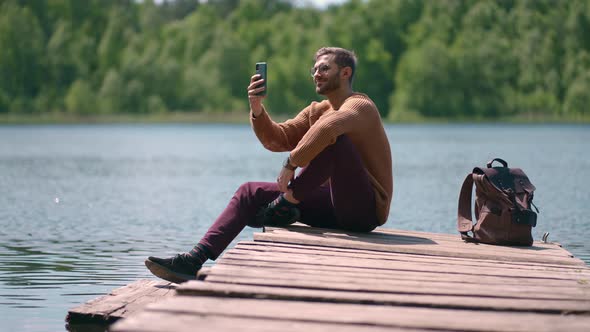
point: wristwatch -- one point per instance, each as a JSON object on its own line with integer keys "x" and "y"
{"x": 287, "y": 164}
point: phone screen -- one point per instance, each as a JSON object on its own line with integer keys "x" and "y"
{"x": 261, "y": 70}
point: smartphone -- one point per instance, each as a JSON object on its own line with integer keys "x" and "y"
{"x": 261, "y": 70}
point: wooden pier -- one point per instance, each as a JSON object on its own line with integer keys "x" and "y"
{"x": 308, "y": 279}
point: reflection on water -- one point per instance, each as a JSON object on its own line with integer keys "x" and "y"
{"x": 82, "y": 206}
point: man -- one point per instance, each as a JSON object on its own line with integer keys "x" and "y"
{"x": 345, "y": 181}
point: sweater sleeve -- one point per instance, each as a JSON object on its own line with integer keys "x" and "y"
{"x": 279, "y": 137}
{"x": 349, "y": 119}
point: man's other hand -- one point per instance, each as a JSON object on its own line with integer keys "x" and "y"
{"x": 254, "y": 88}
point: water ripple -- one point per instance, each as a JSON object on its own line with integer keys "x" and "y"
{"x": 82, "y": 206}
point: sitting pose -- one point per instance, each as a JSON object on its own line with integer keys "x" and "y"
{"x": 345, "y": 181}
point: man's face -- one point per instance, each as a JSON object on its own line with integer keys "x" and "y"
{"x": 326, "y": 75}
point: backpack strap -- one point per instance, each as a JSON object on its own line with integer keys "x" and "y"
{"x": 501, "y": 161}
{"x": 464, "y": 217}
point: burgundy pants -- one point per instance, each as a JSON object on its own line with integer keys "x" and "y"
{"x": 334, "y": 192}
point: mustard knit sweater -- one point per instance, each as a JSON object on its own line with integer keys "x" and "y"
{"x": 319, "y": 125}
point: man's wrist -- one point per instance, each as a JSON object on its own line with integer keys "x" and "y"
{"x": 256, "y": 112}
{"x": 287, "y": 164}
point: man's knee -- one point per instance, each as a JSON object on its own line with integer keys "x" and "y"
{"x": 342, "y": 147}
{"x": 255, "y": 189}
{"x": 343, "y": 142}
{"x": 245, "y": 189}
{"x": 343, "y": 139}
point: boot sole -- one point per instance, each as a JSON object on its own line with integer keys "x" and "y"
{"x": 288, "y": 222}
{"x": 166, "y": 274}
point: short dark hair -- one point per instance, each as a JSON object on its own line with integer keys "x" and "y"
{"x": 342, "y": 57}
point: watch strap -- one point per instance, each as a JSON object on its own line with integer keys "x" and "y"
{"x": 287, "y": 164}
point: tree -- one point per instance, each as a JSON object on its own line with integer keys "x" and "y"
{"x": 112, "y": 93}
{"x": 428, "y": 82}
{"x": 80, "y": 99}
{"x": 21, "y": 56}
{"x": 577, "y": 99}
{"x": 374, "y": 74}
{"x": 64, "y": 70}
{"x": 447, "y": 59}
{"x": 487, "y": 70}
{"x": 113, "y": 40}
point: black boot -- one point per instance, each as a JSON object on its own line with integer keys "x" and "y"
{"x": 179, "y": 268}
{"x": 279, "y": 212}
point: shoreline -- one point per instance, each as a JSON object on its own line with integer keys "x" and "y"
{"x": 242, "y": 117}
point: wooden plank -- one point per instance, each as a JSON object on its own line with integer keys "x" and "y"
{"x": 121, "y": 302}
{"x": 378, "y": 236}
{"x": 406, "y": 287}
{"x": 166, "y": 321}
{"x": 314, "y": 254}
{"x": 321, "y": 272}
{"x": 381, "y": 235}
{"x": 413, "y": 237}
{"x": 311, "y": 250}
{"x": 424, "y": 249}
{"x": 452, "y": 237}
{"x": 580, "y": 276}
{"x": 432, "y": 301}
{"x": 362, "y": 315}
{"x": 382, "y": 276}
{"x": 455, "y": 238}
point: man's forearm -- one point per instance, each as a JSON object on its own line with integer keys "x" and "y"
{"x": 256, "y": 111}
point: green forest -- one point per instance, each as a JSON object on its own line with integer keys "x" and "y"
{"x": 440, "y": 60}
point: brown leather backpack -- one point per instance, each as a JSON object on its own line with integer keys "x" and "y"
{"x": 503, "y": 200}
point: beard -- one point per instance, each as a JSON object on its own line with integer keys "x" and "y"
{"x": 329, "y": 85}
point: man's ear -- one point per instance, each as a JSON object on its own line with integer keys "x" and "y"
{"x": 345, "y": 72}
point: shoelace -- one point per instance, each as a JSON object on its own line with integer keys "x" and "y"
{"x": 278, "y": 211}
{"x": 183, "y": 258}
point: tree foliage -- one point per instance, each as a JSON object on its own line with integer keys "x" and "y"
{"x": 451, "y": 59}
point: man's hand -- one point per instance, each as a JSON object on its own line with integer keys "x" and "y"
{"x": 255, "y": 100}
{"x": 285, "y": 176}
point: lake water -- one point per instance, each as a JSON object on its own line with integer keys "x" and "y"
{"x": 82, "y": 206}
